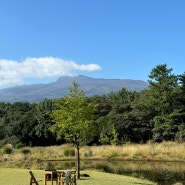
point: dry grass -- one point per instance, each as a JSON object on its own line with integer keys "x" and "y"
{"x": 166, "y": 151}
{"x": 169, "y": 151}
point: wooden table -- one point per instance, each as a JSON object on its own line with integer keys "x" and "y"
{"x": 59, "y": 177}
{"x": 51, "y": 176}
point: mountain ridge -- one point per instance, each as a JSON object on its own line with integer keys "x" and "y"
{"x": 35, "y": 93}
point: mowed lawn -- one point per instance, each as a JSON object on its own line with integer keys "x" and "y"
{"x": 10, "y": 176}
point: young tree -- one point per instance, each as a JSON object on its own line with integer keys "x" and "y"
{"x": 74, "y": 120}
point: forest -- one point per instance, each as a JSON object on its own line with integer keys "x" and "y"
{"x": 156, "y": 114}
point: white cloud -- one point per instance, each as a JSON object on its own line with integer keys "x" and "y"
{"x": 15, "y": 72}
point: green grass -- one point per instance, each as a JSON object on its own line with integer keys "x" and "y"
{"x": 10, "y": 176}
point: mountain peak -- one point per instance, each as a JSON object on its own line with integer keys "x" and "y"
{"x": 62, "y": 78}
{"x": 92, "y": 86}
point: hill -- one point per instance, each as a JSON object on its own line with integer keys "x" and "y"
{"x": 38, "y": 92}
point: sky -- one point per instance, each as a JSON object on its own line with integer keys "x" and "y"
{"x": 42, "y": 40}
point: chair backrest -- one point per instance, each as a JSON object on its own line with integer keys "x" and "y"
{"x": 73, "y": 176}
{"x": 69, "y": 176}
{"x": 33, "y": 179}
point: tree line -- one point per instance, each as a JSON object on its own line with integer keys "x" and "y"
{"x": 156, "y": 114}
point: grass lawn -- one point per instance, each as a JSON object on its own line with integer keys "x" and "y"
{"x": 10, "y": 176}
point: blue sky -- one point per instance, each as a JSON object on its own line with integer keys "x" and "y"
{"x": 41, "y": 40}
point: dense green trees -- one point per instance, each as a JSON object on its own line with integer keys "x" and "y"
{"x": 157, "y": 113}
{"x": 27, "y": 123}
{"x": 163, "y": 99}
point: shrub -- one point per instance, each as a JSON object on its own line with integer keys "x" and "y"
{"x": 69, "y": 152}
{"x": 25, "y": 151}
{"x": 112, "y": 155}
{"x": 88, "y": 153}
{"x": 7, "y": 150}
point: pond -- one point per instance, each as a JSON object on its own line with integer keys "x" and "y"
{"x": 164, "y": 173}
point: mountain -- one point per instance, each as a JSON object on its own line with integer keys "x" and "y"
{"x": 38, "y": 92}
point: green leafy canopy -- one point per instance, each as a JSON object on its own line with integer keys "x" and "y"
{"x": 74, "y": 117}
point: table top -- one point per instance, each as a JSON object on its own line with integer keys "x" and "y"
{"x": 53, "y": 171}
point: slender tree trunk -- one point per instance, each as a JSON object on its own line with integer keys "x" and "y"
{"x": 78, "y": 162}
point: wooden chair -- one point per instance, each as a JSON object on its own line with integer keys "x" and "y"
{"x": 51, "y": 176}
{"x": 67, "y": 177}
{"x": 33, "y": 179}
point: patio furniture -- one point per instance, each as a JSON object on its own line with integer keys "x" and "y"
{"x": 33, "y": 179}
{"x": 67, "y": 177}
{"x": 51, "y": 176}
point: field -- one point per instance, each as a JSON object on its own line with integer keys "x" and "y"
{"x": 22, "y": 159}
{"x": 165, "y": 151}
{"x": 11, "y": 176}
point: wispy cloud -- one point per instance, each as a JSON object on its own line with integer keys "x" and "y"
{"x": 15, "y": 72}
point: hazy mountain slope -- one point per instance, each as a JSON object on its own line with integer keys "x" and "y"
{"x": 92, "y": 86}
